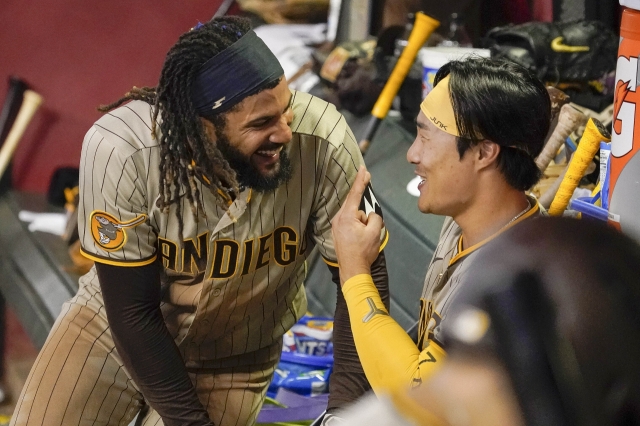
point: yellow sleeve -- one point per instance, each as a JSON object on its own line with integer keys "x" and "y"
{"x": 389, "y": 357}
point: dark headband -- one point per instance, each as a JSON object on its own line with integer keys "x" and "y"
{"x": 233, "y": 74}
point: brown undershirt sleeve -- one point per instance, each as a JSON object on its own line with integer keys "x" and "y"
{"x": 132, "y": 303}
{"x": 348, "y": 381}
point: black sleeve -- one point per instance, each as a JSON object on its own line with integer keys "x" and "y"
{"x": 348, "y": 381}
{"x": 132, "y": 303}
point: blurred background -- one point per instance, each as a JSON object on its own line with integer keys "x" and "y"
{"x": 78, "y": 54}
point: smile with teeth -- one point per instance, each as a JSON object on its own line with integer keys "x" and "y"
{"x": 270, "y": 152}
{"x": 422, "y": 181}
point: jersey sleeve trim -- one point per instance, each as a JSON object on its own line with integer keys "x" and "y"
{"x": 385, "y": 241}
{"x": 330, "y": 263}
{"x": 382, "y": 246}
{"x": 114, "y": 262}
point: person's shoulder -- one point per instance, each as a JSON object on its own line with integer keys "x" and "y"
{"x": 316, "y": 117}
{"x": 126, "y": 128}
{"x": 537, "y": 206}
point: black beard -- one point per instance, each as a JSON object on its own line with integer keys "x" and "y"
{"x": 247, "y": 174}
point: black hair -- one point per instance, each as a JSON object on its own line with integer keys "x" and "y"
{"x": 502, "y": 102}
{"x": 186, "y": 150}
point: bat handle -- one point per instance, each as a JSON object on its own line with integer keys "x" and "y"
{"x": 30, "y": 103}
{"x": 422, "y": 29}
{"x": 370, "y": 130}
{"x": 587, "y": 148}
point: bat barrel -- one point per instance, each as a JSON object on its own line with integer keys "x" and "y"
{"x": 11, "y": 106}
{"x": 422, "y": 29}
{"x": 30, "y": 103}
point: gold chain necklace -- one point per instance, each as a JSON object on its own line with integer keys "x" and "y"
{"x": 516, "y": 217}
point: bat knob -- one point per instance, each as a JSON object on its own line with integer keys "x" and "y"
{"x": 364, "y": 145}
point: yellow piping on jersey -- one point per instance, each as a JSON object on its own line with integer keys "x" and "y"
{"x": 462, "y": 253}
{"x": 385, "y": 241}
{"x": 229, "y": 200}
{"x": 382, "y": 246}
{"x": 334, "y": 264}
{"x": 208, "y": 182}
{"x": 224, "y": 194}
{"x": 116, "y": 262}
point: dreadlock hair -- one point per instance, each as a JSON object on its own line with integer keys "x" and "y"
{"x": 185, "y": 149}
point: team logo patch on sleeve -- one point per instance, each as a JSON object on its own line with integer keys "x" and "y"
{"x": 108, "y": 232}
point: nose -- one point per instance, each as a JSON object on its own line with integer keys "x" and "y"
{"x": 282, "y": 132}
{"x": 413, "y": 154}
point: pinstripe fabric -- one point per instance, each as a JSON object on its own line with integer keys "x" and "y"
{"x": 232, "y": 389}
{"x": 78, "y": 379}
{"x": 447, "y": 275}
{"x": 229, "y": 292}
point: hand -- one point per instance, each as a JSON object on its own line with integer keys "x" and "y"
{"x": 356, "y": 237}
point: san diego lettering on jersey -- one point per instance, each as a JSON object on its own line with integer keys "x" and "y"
{"x": 228, "y": 257}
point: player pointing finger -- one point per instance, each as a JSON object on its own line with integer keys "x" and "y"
{"x": 356, "y": 235}
{"x": 478, "y": 133}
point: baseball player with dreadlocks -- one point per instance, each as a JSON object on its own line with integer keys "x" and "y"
{"x": 201, "y": 199}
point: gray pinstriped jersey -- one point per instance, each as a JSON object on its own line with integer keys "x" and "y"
{"x": 236, "y": 283}
{"x": 447, "y": 275}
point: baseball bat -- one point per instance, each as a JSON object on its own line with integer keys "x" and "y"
{"x": 11, "y": 106}
{"x": 422, "y": 29}
{"x": 546, "y": 199}
{"x": 30, "y": 103}
{"x": 569, "y": 120}
{"x": 558, "y": 99}
{"x": 224, "y": 8}
{"x": 589, "y": 144}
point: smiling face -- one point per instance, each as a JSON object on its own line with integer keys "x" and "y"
{"x": 254, "y": 137}
{"x": 448, "y": 182}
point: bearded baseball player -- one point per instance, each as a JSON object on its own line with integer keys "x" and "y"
{"x": 478, "y": 133}
{"x": 201, "y": 199}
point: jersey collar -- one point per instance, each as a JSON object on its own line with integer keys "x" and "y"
{"x": 235, "y": 210}
{"x": 535, "y": 209}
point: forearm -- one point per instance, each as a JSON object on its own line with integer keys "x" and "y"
{"x": 348, "y": 381}
{"x": 132, "y": 300}
{"x": 389, "y": 357}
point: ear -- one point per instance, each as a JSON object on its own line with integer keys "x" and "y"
{"x": 487, "y": 153}
{"x": 209, "y": 129}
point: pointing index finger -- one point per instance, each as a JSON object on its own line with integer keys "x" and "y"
{"x": 359, "y": 185}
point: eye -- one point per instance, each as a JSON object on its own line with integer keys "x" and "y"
{"x": 264, "y": 122}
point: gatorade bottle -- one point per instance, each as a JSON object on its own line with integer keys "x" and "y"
{"x": 624, "y": 194}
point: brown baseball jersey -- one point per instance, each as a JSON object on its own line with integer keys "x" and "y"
{"x": 447, "y": 275}
{"x": 234, "y": 284}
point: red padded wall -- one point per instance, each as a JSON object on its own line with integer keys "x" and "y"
{"x": 78, "y": 54}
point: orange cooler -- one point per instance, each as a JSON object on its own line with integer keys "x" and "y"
{"x": 624, "y": 193}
